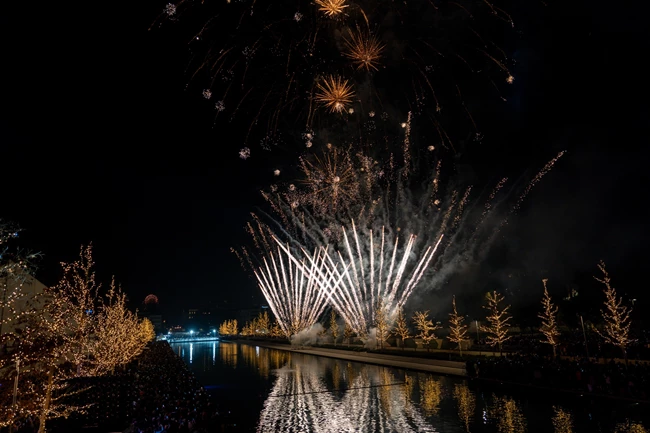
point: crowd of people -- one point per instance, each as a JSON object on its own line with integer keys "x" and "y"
{"x": 614, "y": 378}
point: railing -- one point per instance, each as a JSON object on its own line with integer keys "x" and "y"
{"x": 185, "y": 339}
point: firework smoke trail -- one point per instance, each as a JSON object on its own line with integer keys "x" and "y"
{"x": 291, "y": 289}
{"x": 355, "y": 286}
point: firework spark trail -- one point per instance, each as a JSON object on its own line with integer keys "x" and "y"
{"x": 407, "y": 145}
{"x": 291, "y": 289}
{"x": 549, "y": 165}
{"x": 347, "y": 291}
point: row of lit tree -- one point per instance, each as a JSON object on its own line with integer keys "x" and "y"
{"x": 616, "y": 318}
{"x": 51, "y": 339}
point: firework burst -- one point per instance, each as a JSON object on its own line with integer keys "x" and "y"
{"x": 364, "y": 50}
{"x": 331, "y": 180}
{"x": 334, "y": 93}
{"x": 263, "y": 65}
{"x": 332, "y": 8}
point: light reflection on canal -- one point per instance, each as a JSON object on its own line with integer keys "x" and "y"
{"x": 280, "y": 391}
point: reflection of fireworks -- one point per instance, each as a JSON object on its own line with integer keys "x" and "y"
{"x": 334, "y": 93}
{"x": 371, "y": 401}
{"x": 291, "y": 291}
{"x": 364, "y": 50}
{"x": 355, "y": 288}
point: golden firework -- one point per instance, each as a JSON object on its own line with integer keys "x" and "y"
{"x": 331, "y": 8}
{"x": 331, "y": 180}
{"x": 364, "y": 49}
{"x": 334, "y": 93}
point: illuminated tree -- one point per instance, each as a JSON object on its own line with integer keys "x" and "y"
{"x": 381, "y": 324}
{"x": 425, "y": 327}
{"x": 248, "y": 329}
{"x": 119, "y": 336}
{"x": 616, "y": 315}
{"x": 262, "y": 323}
{"x": 457, "y": 331}
{"x": 549, "y": 320}
{"x": 228, "y": 327}
{"x": 401, "y": 328}
{"x": 348, "y": 333}
{"x": 276, "y": 330}
{"x": 147, "y": 331}
{"x": 497, "y": 328}
{"x": 334, "y": 326}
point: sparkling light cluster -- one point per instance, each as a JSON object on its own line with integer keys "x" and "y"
{"x": 370, "y": 272}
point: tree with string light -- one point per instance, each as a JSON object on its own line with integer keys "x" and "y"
{"x": 263, "y": 323}
{"x": 401, "y": 328}
{"x": 457, "y": 330}
{"x": 334, "y": 326}
{"x": 381, "y": 324}
{"x": 549, "y": 320}
{"x": 425, "y": 327}
{"x": 615, "y": 315}
{"x": 276, "y": 330}
{"x": 119, "y": 335}
{"x": 348, "y": 333}
{"x": 497, "y": 328}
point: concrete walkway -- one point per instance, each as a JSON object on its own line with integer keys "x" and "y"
{"x": 451, "y": 368}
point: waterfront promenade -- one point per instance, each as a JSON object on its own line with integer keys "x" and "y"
{"x": 452, "y": 368}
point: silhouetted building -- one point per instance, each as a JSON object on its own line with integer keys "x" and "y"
{"x": 30, "y": 288}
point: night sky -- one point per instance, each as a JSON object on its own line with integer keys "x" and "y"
{"x": 100, "y": 143}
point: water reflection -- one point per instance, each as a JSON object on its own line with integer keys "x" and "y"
{"x": 466, "y": 403}
{"x": 562, "y": 421}
{"x": 303, "y": 393}
{"x": 630, "y": 427}
{"x": 373, "y": 400}
{"x": 508, "y": 415}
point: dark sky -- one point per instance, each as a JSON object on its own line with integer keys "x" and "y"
{"x": 99, "y": 142}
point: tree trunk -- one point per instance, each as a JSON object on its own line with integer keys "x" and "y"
{"x": 48, "y": 400}
{"x": 460, "y": 348}
{"x": 554, "y": 354}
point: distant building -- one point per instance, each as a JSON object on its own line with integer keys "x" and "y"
{"x": 30, "y": 288}
{"x": 247, "y": 314}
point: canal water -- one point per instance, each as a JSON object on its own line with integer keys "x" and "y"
{"x": 268, "y": 390}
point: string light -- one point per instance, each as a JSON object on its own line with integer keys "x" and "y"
{"x": 497, "y": 318}
{"x": 425, "y": 326}
{"x": 549, "y": 320}
{"x": 616, "y": 315}
{"x": 401, "y": 327}
{"x": 457, "y": 331}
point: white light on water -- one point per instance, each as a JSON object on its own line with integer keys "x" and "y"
{"x": 191, "y": 350}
